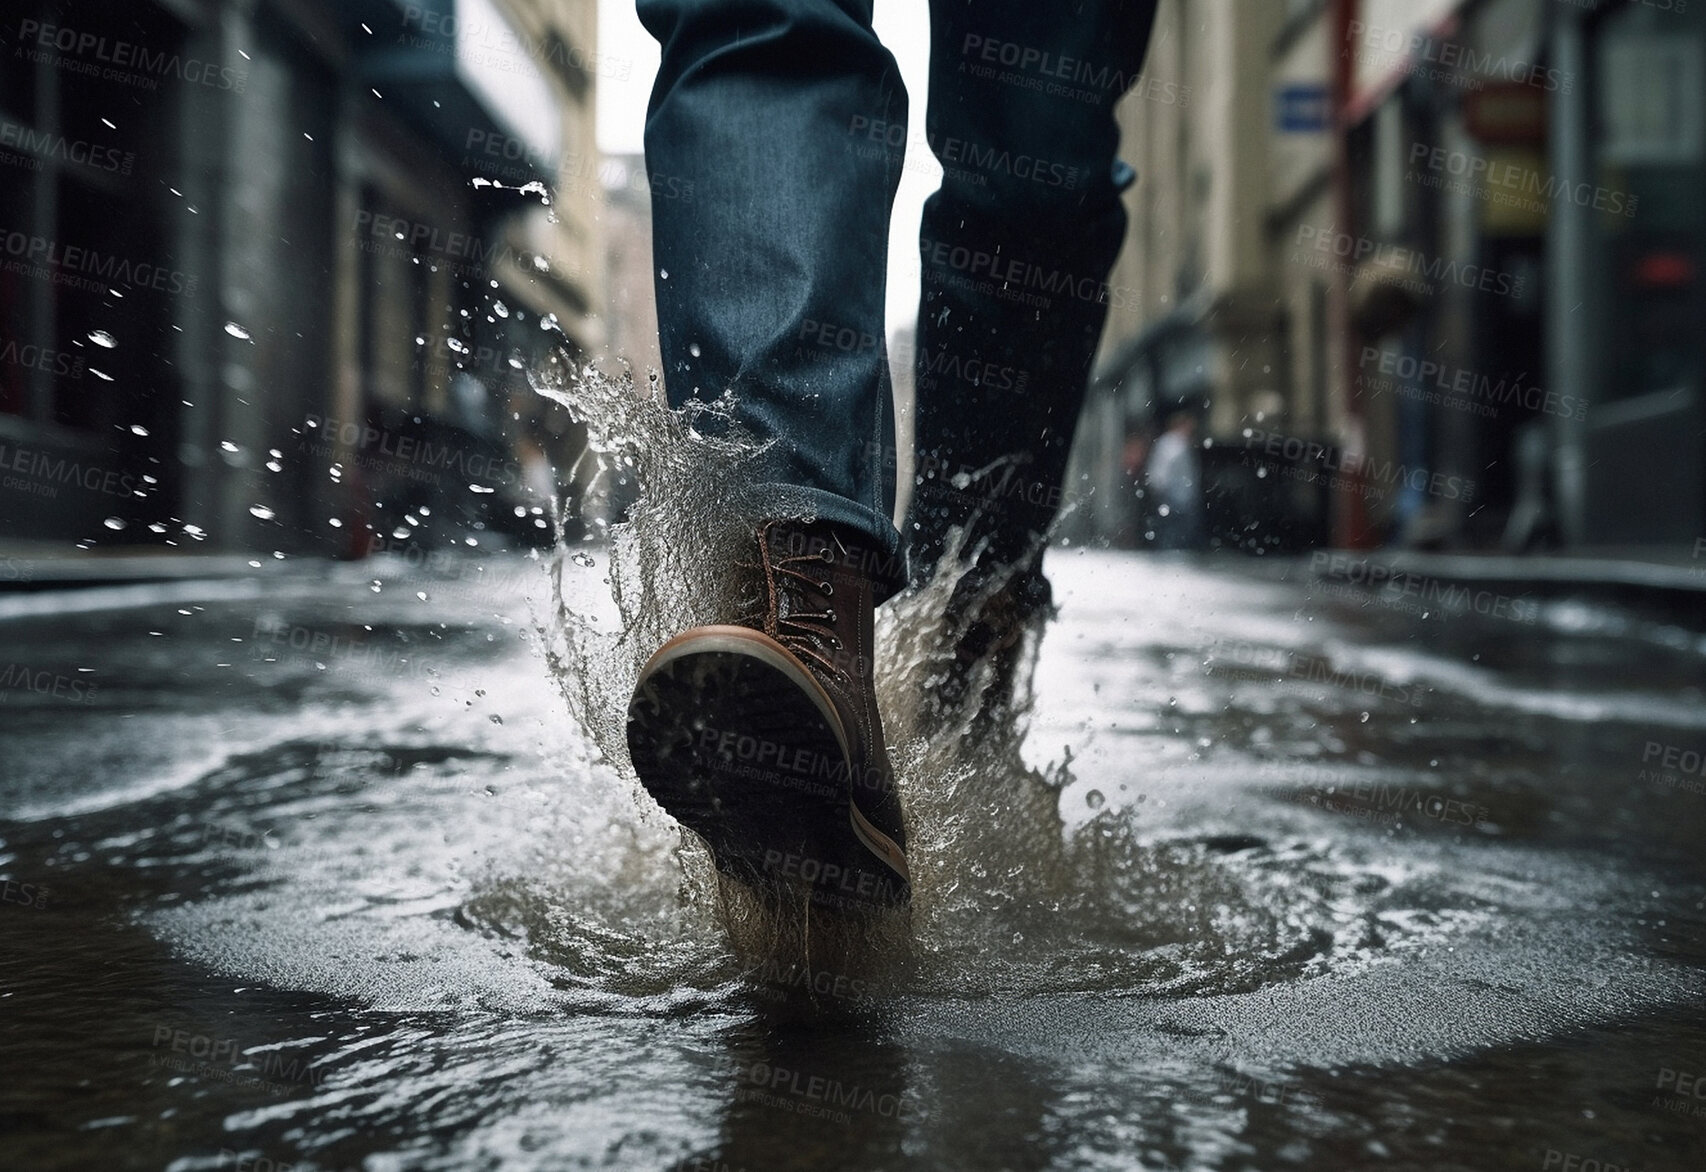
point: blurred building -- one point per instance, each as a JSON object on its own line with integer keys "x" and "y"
{"x": 273, "y": 270}
{"x": 631, "y": 296}
{"x": 1429, "y": 269}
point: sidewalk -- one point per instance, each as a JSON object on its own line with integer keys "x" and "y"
{"x": 24, "y": 569}
{"x": 1663, "y": 580}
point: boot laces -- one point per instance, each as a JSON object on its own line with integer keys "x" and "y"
{"x": 790, "y": 575}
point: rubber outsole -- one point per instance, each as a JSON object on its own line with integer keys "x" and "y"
{"x": 737, "y": 742}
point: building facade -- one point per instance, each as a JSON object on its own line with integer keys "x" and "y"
{"x": 1426, "y": 268}
{"x": 274, "y": 270}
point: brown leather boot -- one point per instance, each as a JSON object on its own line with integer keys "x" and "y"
{"x": 763, "y": 737}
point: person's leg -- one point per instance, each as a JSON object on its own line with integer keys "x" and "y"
{"x": 771, "y": 273}
{"x": 1016, "y": 249}
{"x": 761, "y": 733}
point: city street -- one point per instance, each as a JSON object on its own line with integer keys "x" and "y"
{"x": 314, "y": 870}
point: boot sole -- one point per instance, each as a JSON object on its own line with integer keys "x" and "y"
{"x": 740, "y": 744}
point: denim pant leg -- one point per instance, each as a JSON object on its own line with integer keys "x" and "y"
{"x": 1016, "y": 249}
{"x": 771, "y": 275}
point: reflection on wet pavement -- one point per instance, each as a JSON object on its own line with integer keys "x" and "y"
{"x": 323, "y": 875}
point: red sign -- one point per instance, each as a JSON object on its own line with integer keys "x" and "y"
{"x": 1509, "y": 112}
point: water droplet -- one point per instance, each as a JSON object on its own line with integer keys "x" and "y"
{"x": 1094, "y": 799}
{"x": 693, "y": 349}
{"x": 1363, "y": 718}
{"x": 495, "y": 718}
{"x": 227, "y": 446}
{"x": 262, "y": 512}
{"x": 237, "y": 331}
{"x": 480, "y": 488}
{"x": 103, "y": 339}
{"x": 663, "y": 274}
{"x": 400, "y": 532}
{"x": 584, "y": 560}
{"x": 114, "y": 522}
{"x": 138, "y": 429}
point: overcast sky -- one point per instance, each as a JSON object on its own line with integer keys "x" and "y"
{"x": 903, "y": 26}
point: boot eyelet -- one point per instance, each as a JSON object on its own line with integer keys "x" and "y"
{"x": 828, "y": 589}
{"x": 831, "y": 614}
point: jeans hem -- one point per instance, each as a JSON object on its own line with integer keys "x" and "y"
{"x": 793, "y": 500}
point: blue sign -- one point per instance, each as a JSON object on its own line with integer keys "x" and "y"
{"x": 1302, "y": 108}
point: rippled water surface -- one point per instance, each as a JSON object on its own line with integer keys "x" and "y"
{"x": 326, "y": 875}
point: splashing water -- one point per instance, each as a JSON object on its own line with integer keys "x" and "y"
{"x": 1004, "y": 899}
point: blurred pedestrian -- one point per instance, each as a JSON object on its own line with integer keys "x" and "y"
{"x": 1174, "y": 476}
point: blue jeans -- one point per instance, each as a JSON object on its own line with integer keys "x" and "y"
{"x": 775, "y": 138}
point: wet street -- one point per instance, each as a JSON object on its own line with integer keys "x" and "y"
{"x": 314, "y": 871}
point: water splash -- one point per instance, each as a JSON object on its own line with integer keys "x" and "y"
{"x": 1005, "y": 900}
